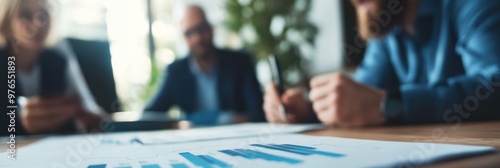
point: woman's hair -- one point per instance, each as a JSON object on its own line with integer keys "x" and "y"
{"x": 9, "y": 9}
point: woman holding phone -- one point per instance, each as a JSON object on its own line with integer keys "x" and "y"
{"x": 57, "y": 98}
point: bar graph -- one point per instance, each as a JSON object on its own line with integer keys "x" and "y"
{"x": 179, "y": 165}
{"x": 214, "y": 161}
{"x": 195, "y": 159}
{"x": 97, "y": 166}
{"x": 150, "y": 166}
{"x": 295, "y": 155}
{"x": 253, "y": 154}
{"x": 289, "y": 148}
{"x": 297, "y": 149}
{"x": 205, "y": 161}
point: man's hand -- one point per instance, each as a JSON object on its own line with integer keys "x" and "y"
{"x": 293, "y": 100}
{"x": 339, "y": 100}
{"x": 49, "y": 114}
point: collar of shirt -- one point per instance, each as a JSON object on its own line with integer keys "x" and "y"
{"x": 196, "y": 70}
{"x": 206, "y": 87}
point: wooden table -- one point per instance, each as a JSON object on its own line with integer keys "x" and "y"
{"x": 480, "y": 133}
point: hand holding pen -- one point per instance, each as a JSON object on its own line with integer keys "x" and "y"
{"x": 293, "y": 101}
{"x": 284, "y": 106}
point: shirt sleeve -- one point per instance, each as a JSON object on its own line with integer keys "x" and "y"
{"x": 376, "y": 70}
{"x": 473, "y": 96}
{"x": 164, "y": 96}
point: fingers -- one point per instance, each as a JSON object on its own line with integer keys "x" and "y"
{"x": 339, "y": 100}
{"x": 42, "y": 125}
{"x": 320, "y": 80}
{"x": 292, "y": 118}
{"x": 318, "y": 93}
{"x": 37, "y": 101}
{"x": 327, "y": 118}
{"x": 292, "y": 96}
{"x": 325, "y": 95}
{"x": 275, "y": 117}
{"x": 296, "y": 106}
{"x": 337, "y": 84}
{"x": 53, "y": 108}
{"x": 272, "y": 104}
{"x": 272, "y": 92}
{"x": 327, "y": 110}
{"x": 325, "y": 103}
{"x": 323, "y": 85}
{"x": 64, "y": 112}
{"x": 45, "y": 115}
{"x": 327, "y": 78}
{"x": 272, "y": 114}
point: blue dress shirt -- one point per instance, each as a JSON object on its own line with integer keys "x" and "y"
{"x": 448, "y": 70}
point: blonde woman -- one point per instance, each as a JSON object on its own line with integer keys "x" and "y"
{"x": 57, "y": 98}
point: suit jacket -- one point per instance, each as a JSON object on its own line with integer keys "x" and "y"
{"x": 237, "y": 86}
{"x": 53, "y": 81}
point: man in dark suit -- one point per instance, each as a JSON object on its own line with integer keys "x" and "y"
{"x": 212, "y": 86}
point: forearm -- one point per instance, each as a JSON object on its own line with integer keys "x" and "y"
{"x": 464, "y": 99}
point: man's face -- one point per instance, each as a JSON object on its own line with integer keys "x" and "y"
{"x": 197, "y": 33}
{"x": 374, "y": 17}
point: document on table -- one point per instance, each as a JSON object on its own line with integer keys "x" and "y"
{"x": 274, "y": 150}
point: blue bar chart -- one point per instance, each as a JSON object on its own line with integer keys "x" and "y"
{"x": 214, "y": 161}
{"x": 295, "y": 155}
{"x": 297, "y": 149}
{"x": 97, "y": 166}
{"x": 205, "y": 161}
{"x": 179, "y": 165}
{"x": 150, "y": 166}
{"x": 253, "y": 154}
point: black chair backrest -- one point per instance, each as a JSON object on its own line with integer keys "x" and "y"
{"x": 94, "y": 58}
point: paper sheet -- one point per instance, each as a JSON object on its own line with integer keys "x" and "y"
{"x": 221, "y": 132}
{"x": 272, "y": 150}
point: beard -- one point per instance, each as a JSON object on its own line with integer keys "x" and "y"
{"x": 376, "y": 18}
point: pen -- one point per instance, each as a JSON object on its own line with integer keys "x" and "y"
{"x": 278, "y": 80}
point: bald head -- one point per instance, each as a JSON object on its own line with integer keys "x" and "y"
{"x": 197, "y": 31}
{"x": 194, "y": 12}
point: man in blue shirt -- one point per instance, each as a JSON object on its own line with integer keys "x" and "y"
{"x": 426, "y": 61}
{"x": 211, "y": 86}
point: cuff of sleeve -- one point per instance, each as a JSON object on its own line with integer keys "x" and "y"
{"x": 418, "y": 104}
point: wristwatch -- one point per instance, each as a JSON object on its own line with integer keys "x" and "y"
{"x": 392, "y": 108}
